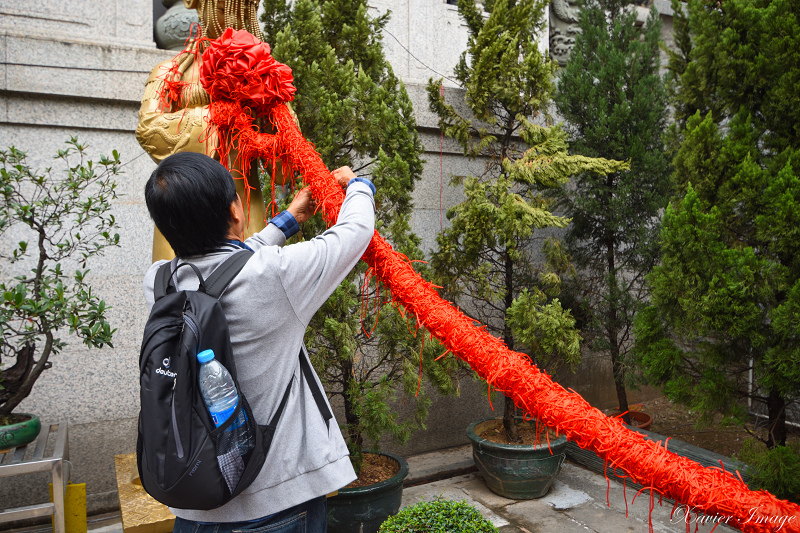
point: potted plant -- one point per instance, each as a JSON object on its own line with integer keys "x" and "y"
{"x": 438, "y": 515}
{"x": 499, "y": 259}
{"x": 365, "y": 350}
{"x": 51, "y": 222}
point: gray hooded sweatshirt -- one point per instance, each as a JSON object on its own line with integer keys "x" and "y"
{"x": 268, "y": 306}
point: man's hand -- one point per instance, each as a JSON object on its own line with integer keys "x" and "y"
{"x": 343, "y": 176}
{"x": 303, "y": 205}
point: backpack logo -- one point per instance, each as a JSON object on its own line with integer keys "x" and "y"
{"x": 166, "y": 362}
{"x": 164, "y": 372}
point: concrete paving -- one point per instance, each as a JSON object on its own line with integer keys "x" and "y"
{"x": 579, "y": 501}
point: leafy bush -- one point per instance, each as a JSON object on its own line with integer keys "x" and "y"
{"x": 65, "y": 216}
{"x": 439, "y": 516}
{"x": 776, "y": 470}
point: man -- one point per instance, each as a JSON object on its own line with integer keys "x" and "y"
{"x": 193, "y": 202}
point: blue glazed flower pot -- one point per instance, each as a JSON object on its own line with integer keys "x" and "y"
{"x": 516, "y": 471}
{"x": 364, "y": 509}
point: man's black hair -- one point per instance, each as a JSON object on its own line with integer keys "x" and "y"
{"x": 189, "y": 197}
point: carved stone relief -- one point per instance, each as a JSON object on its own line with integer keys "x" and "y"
{"x": 563, "y": 29}
{"x": 173, "y": 27}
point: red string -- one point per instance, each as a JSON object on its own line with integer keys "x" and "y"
{"x": 441, "y": 168}
{"x": 646, "y": 462}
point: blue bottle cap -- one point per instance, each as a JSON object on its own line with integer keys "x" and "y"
{"x": 205, "y": 356}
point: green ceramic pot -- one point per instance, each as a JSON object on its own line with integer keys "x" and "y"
{"x": 516, "y": 471}
{"x": 23, "y": 429}
{"x": 364, "y": 509}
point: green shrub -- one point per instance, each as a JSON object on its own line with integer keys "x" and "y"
{"x": 776, "y": 470}
{"x": 439, "y": 516}
{"x": 63, "y": 218}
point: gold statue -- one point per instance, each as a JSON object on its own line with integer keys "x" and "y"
{"x": 180, "y": 123}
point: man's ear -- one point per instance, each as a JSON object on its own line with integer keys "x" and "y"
{"x": 236, "y": 209}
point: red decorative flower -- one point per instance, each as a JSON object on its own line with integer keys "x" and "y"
{"x": 239, "y": 67}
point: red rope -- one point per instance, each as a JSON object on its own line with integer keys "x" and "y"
{"x": 711, "y": 490}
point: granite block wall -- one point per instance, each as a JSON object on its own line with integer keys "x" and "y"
{"x": 77, "y": 68}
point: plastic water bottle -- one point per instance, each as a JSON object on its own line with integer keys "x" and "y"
{"x": 221, "y": 397}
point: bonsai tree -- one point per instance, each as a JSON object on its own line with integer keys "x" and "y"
{"x": 357, "y": 113}
{"x": 60, "y": 220}
{"x": 496, "y": 259}
{"x": 613, "y": 100}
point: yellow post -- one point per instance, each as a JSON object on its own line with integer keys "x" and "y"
{"x": 74, "y": 508}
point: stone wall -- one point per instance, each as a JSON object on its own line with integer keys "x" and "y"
{"x": 77, "y": 68}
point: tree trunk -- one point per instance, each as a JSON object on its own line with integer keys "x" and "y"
{"x": 355, "y": 441}
{"x": 13, "y": 379}
{"x": 612, "y": 328}
{"x": 24, "y": 387}
{"x": 776, "y": 407}
{"x": 510, "y": 410}
{"x": 509, "y": 420}
{"x": 23, "y": 375}
{"x": 619, "y": 383}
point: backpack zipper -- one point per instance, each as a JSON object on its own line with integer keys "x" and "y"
{"x": 192, "y": 326}
{"x": 178, "y": 443}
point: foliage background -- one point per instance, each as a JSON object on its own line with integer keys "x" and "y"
{"x": 358, "y": 113}
{"x": 613, "y": 101}
{"x": 726, "y": 296}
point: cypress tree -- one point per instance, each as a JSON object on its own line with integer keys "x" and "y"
{"x": 357, "y": 113}
{"x": 614, "y": 103}
{"x": 496, "y": 259}
{"x": 726, "y": 298}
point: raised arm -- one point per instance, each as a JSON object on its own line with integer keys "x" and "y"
{"x": 310, "y": 271}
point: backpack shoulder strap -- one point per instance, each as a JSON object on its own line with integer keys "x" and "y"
{"x": 319, "y": 396}
{"x": 222, "y": 276}
{"x": 316, "y": 392}
{"x": 161, "y": 284}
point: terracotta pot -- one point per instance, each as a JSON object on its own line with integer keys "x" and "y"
{"x": 639, "y": 419}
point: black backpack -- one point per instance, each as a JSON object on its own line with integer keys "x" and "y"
{"x": 185, "y": 461}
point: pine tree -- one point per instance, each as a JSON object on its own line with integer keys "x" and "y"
{"x": 357, "y": 113}
{"x": 614, "y": 103}
{"x": 495, "y": 259}
{"x": 726, "y": 298}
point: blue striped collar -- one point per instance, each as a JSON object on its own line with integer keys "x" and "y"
{"x": 239, "y": 244}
